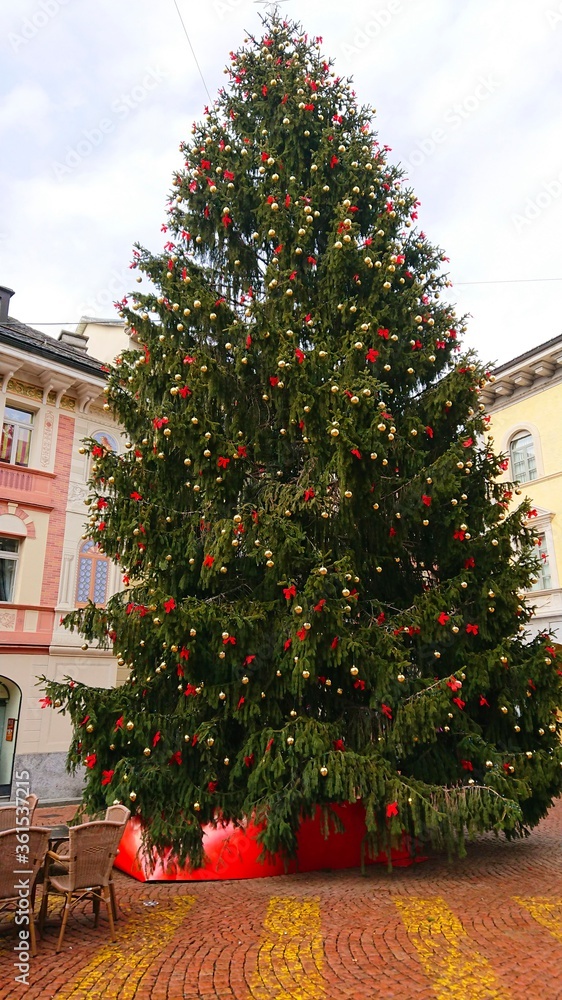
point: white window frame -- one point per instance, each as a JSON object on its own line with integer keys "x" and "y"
{"x": 527, "y": 478}
{"x": 518, "y": 430}
{"x": 542, "y": 526}
{"x": 542, "y": 583}
{"x": 31, "y": 426}
{"x": 12, "y": 557}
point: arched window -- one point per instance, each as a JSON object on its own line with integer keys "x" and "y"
{"x": 523, "y": 457}
{"x": 93, "y": 568}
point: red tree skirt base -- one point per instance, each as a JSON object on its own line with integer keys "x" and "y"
{"x": 232, "y": 852}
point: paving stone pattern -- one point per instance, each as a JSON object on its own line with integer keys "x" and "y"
{"x": 488, "y": 927}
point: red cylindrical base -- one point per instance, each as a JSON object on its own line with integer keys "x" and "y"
{"x": 232, "y": 852}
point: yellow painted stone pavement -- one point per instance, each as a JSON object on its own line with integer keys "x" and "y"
{"x": 117, "y": 968}
{"x": 290, "y": 956}
{"x": 545, "y": 911}
{"x": 456, "y": 969}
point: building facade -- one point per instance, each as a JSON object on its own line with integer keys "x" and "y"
{"x": 525, "y": 405}
{"x": 51, "y": 397}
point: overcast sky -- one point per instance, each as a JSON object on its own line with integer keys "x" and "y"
{"x": 97, "y": 94}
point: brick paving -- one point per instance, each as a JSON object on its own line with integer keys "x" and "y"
{"x": 488, "y": 927}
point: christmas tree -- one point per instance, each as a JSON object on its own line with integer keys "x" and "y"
{"x": 323, "y": 571}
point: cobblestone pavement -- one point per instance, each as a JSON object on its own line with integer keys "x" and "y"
{"x": 488, "y": 927}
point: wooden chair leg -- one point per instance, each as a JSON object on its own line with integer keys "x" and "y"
{"x": 96, "y": 905}
{"x": 113, "y": 900}
{"x": 107, "y": 898}
{"x": 43, "y": 907}
{"x": 32, "y": 933}
{"x": 66, "y": 911}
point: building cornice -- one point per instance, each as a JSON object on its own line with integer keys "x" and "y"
{"x": 529, "y": 373}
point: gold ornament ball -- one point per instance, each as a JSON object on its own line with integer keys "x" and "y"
{"x": 517, "y": 729}
{"x": 504, "y": 709}
{"x": 196, "y": 806}
{"x": 132, "y": 796}
{"x": 147, "y": 751}
{"x": 323, "y": 771}
{"x": 489, "y": 763}
{"x": 306, "y": 674}
{"x": 354, "y": 671}
{"x": 290, "y": 740}
{"x": 245, "y": 679}
{"x": 130, "y": 726}
{"x": 89, "y": 728}
{"x": 400, "y": 678}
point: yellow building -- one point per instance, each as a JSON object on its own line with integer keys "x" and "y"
{"x": 525, "y": 404}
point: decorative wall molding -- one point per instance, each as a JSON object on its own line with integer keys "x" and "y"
{"x": 7, "y": 621}
{"x": 26, "y": 389}
{"x": 46, "y": 444}
{"x": 30, "y": 391}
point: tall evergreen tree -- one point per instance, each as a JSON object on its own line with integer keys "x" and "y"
{"x": 323, "y": 570}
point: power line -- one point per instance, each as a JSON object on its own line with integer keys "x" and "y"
{"x": 192, "y": 50}
{"x": 505, "y": 281}
{"x": 500, "y": 281}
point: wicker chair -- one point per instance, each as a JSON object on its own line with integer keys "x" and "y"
{"x": 116, "y": 814}
{"x": 9, "y": 861}
{"x": 92, "y": 850}
{"x": 8, "y": 817}
{"x": 113, "y": 814}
